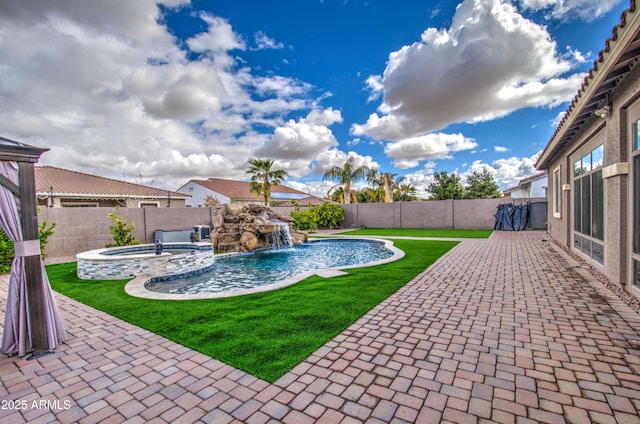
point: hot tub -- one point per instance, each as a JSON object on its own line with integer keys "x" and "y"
{"x": 177, "y": 260}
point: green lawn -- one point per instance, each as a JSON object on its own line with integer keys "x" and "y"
{"x": 416, "y": 232}
{"x": 265, "y": 334}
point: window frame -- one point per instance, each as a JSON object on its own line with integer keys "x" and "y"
{"x": 64, "y": 204}
{"x": 588, "y": 235}
{"x": 148, "y": 204}
{"x": 557, "y": 193}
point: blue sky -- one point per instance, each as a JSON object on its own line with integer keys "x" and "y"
{"x": 162, "y": 92}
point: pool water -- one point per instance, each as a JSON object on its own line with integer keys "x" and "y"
{"x": 268, "y": 266}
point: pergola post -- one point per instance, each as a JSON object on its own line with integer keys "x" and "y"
{"x": 26, "y": 156}
{"x": 32, "y": 264}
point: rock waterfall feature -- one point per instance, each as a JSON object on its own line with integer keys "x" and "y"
{"x": 245, "y": 228}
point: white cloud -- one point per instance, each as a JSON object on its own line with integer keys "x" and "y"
{"x": 303, "y": 139}
{"x": 506, "y": 171}
{"x": 576, "y": 56}
{"x": 420, "y": 180}
{"x": 280, "y": 86}
{"x": 500, "y": 149}
{"x": 189, "y": 91}
{"x": 587, "y": 10}
{"x": 556, "y": 121}
{"x": 409, "y": 152}
{"x": 297, "y": 140}
{"x": 322, "y": 163}
{"x": 326, "y": 117}
{"x": 375, "y": 86}
{"x": 335, "y": 157}
{"x": 469, "y": 73}
{"x": 263, "y": 41}
{"x": 317, "y": 188}
{"x": 111, "y": 91}
{"x": 219, "y": 38}
{"x": 308, "y": 145}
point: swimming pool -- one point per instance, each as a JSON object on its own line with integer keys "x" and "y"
{"x": 267, "y": 269}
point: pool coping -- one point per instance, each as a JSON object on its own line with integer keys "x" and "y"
{"x": 136, "y": 287}
{"x": 148, "y": 248}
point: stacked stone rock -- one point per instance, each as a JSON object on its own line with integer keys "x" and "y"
{"x": 244, "y": 228}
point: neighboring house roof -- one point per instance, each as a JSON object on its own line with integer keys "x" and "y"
{"x": 68, "y": 183}
{"x": 309, "y": 201}
{"x": 242, "y": 190}
{"x": 615, "y": 61}
{"x": 510, "y": 189}
{"x": 524, "y": 181}
{"x": 534, "y": 177}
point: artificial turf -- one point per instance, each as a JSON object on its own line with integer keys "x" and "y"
{"x": 419, "y": 232}
{"x": 265, "y": 334}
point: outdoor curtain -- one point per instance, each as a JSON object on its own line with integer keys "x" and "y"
{"x": 16, "y": 338}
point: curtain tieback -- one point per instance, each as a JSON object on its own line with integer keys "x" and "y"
{"x": 27, "y": 248}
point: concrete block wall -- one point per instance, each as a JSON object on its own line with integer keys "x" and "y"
{"x": 82, "y": 229}
{"x": 442, "y": 214}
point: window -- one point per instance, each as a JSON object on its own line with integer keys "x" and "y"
{"x": 149, "y": 204}
{"x": 588, "y": 200}
{"x": 557, "y": 193}
{"x": 79, "y": 205}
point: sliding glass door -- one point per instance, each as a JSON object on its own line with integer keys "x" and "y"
{"x": 588, "y": 189}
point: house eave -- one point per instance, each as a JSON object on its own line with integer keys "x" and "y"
{"x": 107, "y": 196}
{"x": 620, "y": 55}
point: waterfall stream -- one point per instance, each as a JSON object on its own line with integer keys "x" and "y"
{"x": 281, "y": 238}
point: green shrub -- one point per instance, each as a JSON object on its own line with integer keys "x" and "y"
{"x": 330, "y": 215}
{"x": 44, "y": 233}
{"x": 121, "y": 230}
{"x": 305, "y": 220}
{"x": 6, "y": 253}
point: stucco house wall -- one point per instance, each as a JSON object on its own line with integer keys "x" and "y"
{"x": 199, "y": 195}
{"x": 529, "y": 188}
{"x": 614, "y": 132}
{"x": 539, "y": 187}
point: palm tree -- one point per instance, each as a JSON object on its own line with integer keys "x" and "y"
{"x": 336, "y": 193}
{"x": 405, "y": 193}
{"x": 346, "y": 175}
{"x": 387, "y": 182}
{"x": 370, "y": 195}
{"x": 263, "y": 177}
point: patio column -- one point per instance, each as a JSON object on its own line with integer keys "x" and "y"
{"x": 32, "y": 264}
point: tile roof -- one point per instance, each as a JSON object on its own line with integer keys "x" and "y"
{"x": 241, "y": 189}
{"x": 308, "y": 201}
{"x": 533, "y": 177}
{"x": 66, "y": 182}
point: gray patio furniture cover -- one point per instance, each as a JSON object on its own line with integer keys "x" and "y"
{"x": 510, "y": 217}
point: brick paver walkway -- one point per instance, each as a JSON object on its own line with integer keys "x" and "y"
{"x": 504, "y": 330}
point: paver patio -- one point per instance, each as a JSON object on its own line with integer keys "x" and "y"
{"x": 506, "y": 329}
